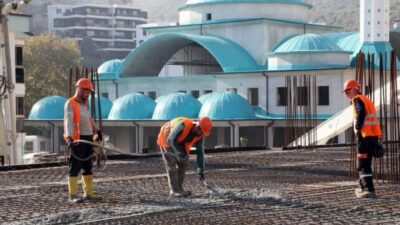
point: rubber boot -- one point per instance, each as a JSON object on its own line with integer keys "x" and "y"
{"x": 73, "y": 190}
{"x": 87, "y": 186}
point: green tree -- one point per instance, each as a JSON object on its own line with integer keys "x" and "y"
{"x": 47, "y": 60}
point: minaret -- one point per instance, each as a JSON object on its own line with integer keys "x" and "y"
{"x": 374, "y": 21}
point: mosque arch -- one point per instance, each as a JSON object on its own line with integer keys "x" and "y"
{"x": 149, "y": 58}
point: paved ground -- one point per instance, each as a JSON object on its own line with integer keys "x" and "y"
{"x": 253, "y": 187}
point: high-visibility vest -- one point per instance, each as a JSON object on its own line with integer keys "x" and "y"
{"x": 371, "y": 125}
{"x": 76, "y": 120}
{"x": 165, "y": 131}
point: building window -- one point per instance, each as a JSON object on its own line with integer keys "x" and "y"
{"x": 141, "y": 92}
{"x": 195, "y": 93}
{"x": 234, "y": 90}
{"x": 105, "y": 94}
{"x": 282, "y": 96}
{"x": 323, "y": 95}
{"x": 182, "y": 91}
{"x": 58, "y": 11}
{"x": 18, "y": 56}
{"x": 20, "y": 106}
{"x": 252, "y": 96}
{"x": 28, "y": 146}
{"x": 207, "y": 91}
{"x": 20, "y": 125}
{"x": 208, "y": 16}
{"x": 19, "y": 75}
{"x": 152, "y": 94}
{"x": 302, "y": 96}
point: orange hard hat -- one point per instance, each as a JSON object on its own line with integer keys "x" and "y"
{"x": 84, "y": 83}
{"x": 351, "y": 84}
{"x": 205, "y": 124}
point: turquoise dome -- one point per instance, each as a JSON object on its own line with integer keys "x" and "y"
{"x": 132, "y": 106}
{"x": 204, "y": 98}
{"x": 176, "y": 105}
{"x": 48, "y": 108}
{"x": 347, "y": 41}
{"x": 109, "y": 69}
{"x": 307, "y": 43}
{"x": 105, "y": 106}
{"x": 227, "y": 105}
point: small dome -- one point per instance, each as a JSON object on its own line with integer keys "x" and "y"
{"x": 48, "y": 108}
{"x": 132, "y": 106}
{"x": 204, "y": 98}
{"x": 307, "y": 43}
{"x": 105, "y": 106}
{"x": 227, "y": 105}
{"x": 110, "y": 69}
{"x": 175, "y": 105}
{"x": 347, "y": 41}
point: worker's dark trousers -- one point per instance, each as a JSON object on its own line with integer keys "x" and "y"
{"x": 176, "y": 169}
{"x": 79, "y": 152}
{"x": 366, "y": 146}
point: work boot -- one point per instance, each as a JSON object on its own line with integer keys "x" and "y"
{"x": 173, "y": 194}
{"x": 358, "y": 190}
{"x": 75, "y": 199}
{"x": 366, "y": 194}
{"x": 92, "y": 197}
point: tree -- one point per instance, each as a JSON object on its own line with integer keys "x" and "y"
{"x": 47, "y": 60}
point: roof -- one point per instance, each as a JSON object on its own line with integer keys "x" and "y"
{"x": 347, "y": 41}
{"x": 132, "y": 106}
{"x": 150, "y": 57}
{"x": 49, "y": 108}
{"x": 176, "y": 105}
{"x": 202, "y": 2}
{"x": 227, "y": 105}
{"x": 377, "y": 48}
{"x": 105, "y": 103}
{"x": 306, "y": 43}
{"x": 109, "y": 69}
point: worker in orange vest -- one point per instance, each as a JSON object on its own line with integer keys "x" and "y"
{"x": 79, "y": 125}
{"x": 368, "y": 132}
{"x": 175, "y": 140}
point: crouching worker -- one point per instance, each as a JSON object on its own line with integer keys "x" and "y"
{"x": 175, "y": 140}
{"x": 368, "y": 132}
{"x": 78, "y": 124}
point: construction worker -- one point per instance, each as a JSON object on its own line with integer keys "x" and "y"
{"x": 368, "y": 132}
{"x": 175, "y": 140}
{"x": 79, "y": 125}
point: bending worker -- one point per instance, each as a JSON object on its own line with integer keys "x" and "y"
{"x": 175, "y": 140}
{"x": 368, "y": 132}
{"x": 78, "y": 124}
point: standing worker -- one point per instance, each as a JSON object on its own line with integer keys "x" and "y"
{"x": 79, "y": 125}
{"x": 368, "y": 132}
{"x": 175, "y": 140}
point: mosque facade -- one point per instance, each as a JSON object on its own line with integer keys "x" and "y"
{"x": 229, "y": 60}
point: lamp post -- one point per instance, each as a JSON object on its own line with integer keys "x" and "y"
{"x": 6, "y": 9}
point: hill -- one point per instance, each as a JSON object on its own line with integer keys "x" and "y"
{"x": 343, "y": 13}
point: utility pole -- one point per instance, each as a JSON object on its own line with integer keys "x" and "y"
{"x": 6, "y": 9}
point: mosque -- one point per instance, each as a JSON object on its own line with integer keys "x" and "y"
{"x": 228, "y": 60}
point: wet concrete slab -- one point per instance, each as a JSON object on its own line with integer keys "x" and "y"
{"x": 246, "y": 187}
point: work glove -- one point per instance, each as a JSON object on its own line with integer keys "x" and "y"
{"x": 99, "y": 136}
{"x": 200, "y": 175}
{"x": 70, "y": 142}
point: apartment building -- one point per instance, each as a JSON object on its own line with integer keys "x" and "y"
{"x": 111, "y": 27}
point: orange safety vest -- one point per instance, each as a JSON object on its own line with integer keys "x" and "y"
{"x": 76, "y": 120}
{"x": 166, "y": 130}
{"x": 371, "y": 125}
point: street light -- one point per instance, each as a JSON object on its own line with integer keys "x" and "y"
{"x": 6, "y": 9}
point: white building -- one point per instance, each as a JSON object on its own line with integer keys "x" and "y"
{"x": 112, "y": 28}
{"x": 236, "y": 50}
